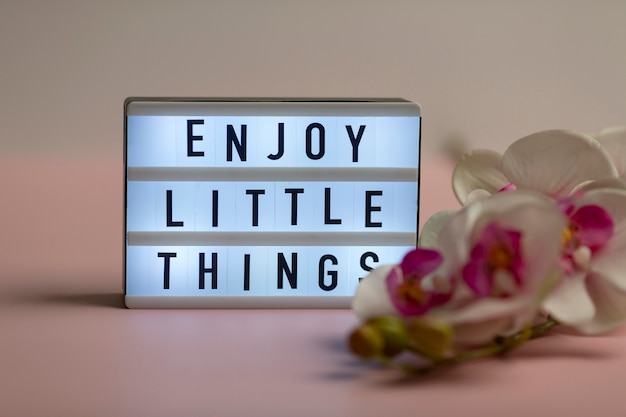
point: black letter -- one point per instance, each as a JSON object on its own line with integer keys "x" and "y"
{"x": 170, "y": 222}
{"x": 327, "y": 219}
{"x": 231, "y": 138}
{"x": 166, "y": 267}
{"x": 281, "y": 143}
{"x": 355, "y": 141}
{"x": 294, "y": 203}
{"x": 255, "y": 205}
{"x": 292, "y": 274}
{"x": 332, "y": 274}
{"x": 369, "y": 209}
{"x": 215, "y": 202}
{"x": 191, "y": 137}
{"x": 246, "y": 272}
{"x": 212, "y": 270}
{"x": 365, "y": 266}
{"x": 310, "y": 153}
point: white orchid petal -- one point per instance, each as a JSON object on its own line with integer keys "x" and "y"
{"x": 477, "y": 195}
{"x": 613, "y": 139}
{"x": 542, "y": 227}
{"x": 479, "y": 169}
{"x": 532, "y": 213}
{"x": 613, "y": 132}
{"x": 556, "y": 161}
{"x": 615, "y": 183}
{"x": 487, "y": 309}
{"x": 612, "y": 266}
{"x": 453, "y": 239}
{"x": 610, "y": 305}
{"x": 371, "y": 298}
{"x": 479, "y": 333}
{"x": 432, "y": 228}
{"x": 569, "y": 302}
{"x": 611, "y": 262}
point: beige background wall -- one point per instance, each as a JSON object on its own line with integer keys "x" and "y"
{"x": 487, "y": 71}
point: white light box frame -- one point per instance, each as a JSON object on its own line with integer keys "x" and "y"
{"x": 265, "y": 203}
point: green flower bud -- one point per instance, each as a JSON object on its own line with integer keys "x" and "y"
{"x": 394, "y": 334}
{"x": 366, "y": 342}
{"x": 430, "y": 337}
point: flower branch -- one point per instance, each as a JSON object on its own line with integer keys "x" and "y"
{"x": 540, "y": 240}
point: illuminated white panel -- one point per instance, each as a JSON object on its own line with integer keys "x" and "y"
{"x": 279, "y": 206}
{"x": 248, "y": 271}
{"x": 403, "y": 204}
{"x": 316, "y": 141}
{"x": 356, "y": 142}
{"x": 252, "y": 271}
{"x": 157, "y": 270}
{"x": 163, "y": 205}
{"x": 237, "y": 141}
{"x": 271, "y": 150}
{"x": 329, "y": 207}
{"x": 329, "y": 271}
{"x": 255, "y": 141}
{"x": 215, "y": 205}
{"x": 207, "y": 271}
{"x": 395, "y": 141}
{"x": 314, "y": 206}
{"x": 373, "y": 255}
{"x": 266, "y": 203}
{"x": 136, "y": 273}
{"x": 141, "y": 206}
{"x": 254, "y": 206}
{"x": 389, "y": 206}
{"x": 195, "y": 136}
{"x": 150, "y": 141}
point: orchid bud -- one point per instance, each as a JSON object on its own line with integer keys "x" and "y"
{"x": 394, "y": 334}
{"x": 366, "y": 342}
{"x": 430, "y": 337}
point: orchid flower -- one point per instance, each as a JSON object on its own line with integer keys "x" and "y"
{"x": 553, "y": 162}
{"x": 504, "y": 251}
{"x": 592, "y": 295}
{"x": 500, "y": 257}
{"x": 405, "y": 283}
{"x": 613, "y": 140}
{"x": 509, "y": 265}
{"x": 398, "y": 289}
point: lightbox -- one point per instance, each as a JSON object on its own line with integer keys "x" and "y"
{"x": 246, "y": 203}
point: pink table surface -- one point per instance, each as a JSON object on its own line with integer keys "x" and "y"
{"x": 68, "y": 347}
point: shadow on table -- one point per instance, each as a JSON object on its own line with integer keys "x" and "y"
{"x": 96, "y": 299}
{"x": 551, "y": 348}
{"x": 112, "y": 300}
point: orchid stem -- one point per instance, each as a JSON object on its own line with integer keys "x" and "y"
{"x": 500, "y": 346}
{"x": 541, "y": 329}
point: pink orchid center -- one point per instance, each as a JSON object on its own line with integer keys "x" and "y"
{"x": 410, "y": 291}
{"x": 501, "y": 258}
{"x": 404, "y": 283}
{"x": 570, "y": 237}
{"x": 495, "y": 266}
{"x": 508, "y": 187}
{"x": 589, "y": 229}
